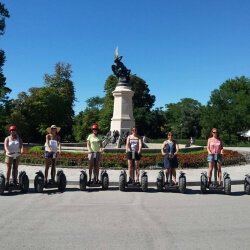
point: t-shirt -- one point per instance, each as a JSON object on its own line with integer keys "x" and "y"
{"x": 94, "y": 142}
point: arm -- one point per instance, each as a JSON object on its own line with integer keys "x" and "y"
{"x": 21, "y": 145}
{"x": 208, "y": 146}
{"x": 59, "y": 144}
{"x": 47, "y": 143}
{"x": 101, "y": 146}
{"x": 162, "y": 148}
{"x": 177, "y": 149}
{"x": 127, "y": 145}
{"x": 140, "y": 145}
{"x": 6, "y": 145}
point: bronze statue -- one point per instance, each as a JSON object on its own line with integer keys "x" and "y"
{"x": 120, "y": 70}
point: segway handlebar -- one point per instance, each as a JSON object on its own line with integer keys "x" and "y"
{"x": 14, "y": 154}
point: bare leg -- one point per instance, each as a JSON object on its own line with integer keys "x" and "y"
{"x": 167, "y": 173}
{"x": 137, "y": 170}
{"x": 130, "y": 169}
{"x": 8, "y": 172}
{"x": 97, "y": 169}
{"x": 219, "y": 172}
{"x": 53, "y": 169}
{"x": 90, "y": 169}
{"x": 15, "y": 169}
{"x": 210, "y": 170}
{"x": 47, "y": 162}
{"x": 174, "y": 175}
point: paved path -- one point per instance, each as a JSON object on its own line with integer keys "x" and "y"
{"x": 124, "y": 220}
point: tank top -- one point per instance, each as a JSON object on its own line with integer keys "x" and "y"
{"x": 133, "y": 145}
{"x": 170, "y": 147}
{"x": 14, "y": 145}
{"x": 215, "y": 145}
{"x": 53, "y": 145}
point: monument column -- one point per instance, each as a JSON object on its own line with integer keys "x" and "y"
{"x": 123, "y": 119}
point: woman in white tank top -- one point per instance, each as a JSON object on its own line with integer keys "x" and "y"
{"x": 52, "y": 146}
{"x": 13, "y": 146}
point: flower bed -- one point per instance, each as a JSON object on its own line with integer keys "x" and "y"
{"x": 118, "y": 161}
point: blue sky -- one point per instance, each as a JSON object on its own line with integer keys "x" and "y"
{"x": 181, "y": 48}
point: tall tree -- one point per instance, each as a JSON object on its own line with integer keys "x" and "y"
{"x": 60, "y": 80}
{"x": 228, "y": 108}
{"x": 184, "y": 117}
{"x": 3, "y": 89}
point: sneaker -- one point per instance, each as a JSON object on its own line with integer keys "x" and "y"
{"x": 130, "y": 181}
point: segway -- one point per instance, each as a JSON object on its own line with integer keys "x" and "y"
{"x": 123, "y": 184}
{"x": 169, "y": 185}
{"x": 23, "y": 180}
{"x": 226, "y": 187}
{"x": 247, "y": 184}
{"x": 94, "y": 182}
{"x": 60, "y": 182}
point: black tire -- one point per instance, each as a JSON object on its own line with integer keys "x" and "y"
{"x": 2, "y": 185}
{"x": 227, "y": 186}
{"x": 159, "y": 183}
{"x": 144, "y": 183}
{"x": 39, "y": 184}
{"x": 182, "y": 184}
{"x": 25, "y": 183}
{"x": 62, "y": 183}
{"x": 83, "y": 182}
{"x": 247, "y": 188}
{"x": 105, "y": 182}
{"x": 122, "y": 182}
{"x": 203, "y": 184}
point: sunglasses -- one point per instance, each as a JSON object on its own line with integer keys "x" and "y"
{"x": 215, "y": 132}
{"x": 13, "y": 129}
{"x": 170, "y": 135}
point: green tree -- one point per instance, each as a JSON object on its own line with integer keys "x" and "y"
{"x": 228, "y": 109}
{"x": 184, "y": 118}
{"x": 3, "y": 89}
{"x": 60, "y": 80}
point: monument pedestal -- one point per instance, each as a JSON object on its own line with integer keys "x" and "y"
{"x": 123, "y": 119}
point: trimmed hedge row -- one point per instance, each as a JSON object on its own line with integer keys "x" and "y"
{"x": 196, "y": 159}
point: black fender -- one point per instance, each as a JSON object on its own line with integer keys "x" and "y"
{"x": 83, "y": 172}
{"x": 123, "y": 172}
{"x": 182, "y": 174}
{"x": 144, "y": 173}
{"x": 226, "y": 175}
{"x": 40, "y": 174}
{"x": 204, "y": 174}
{"x": 21, "y": 176}
{"x": 160, "y": 175}
{"x": 247, "y": 179}
{"x": 2, "y": 176}
{"x": 59, "y": 174}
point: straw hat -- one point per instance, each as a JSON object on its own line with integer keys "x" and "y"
{"x": 53, "y": 126}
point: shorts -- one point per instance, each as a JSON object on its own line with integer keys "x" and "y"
{"x": 170, "y": 162}
{"x": 137, "y": 156}
{"x": 91, "y": 157}
{"x": 210, "y": 158}
{"x": 49, "y": 155}
{"x": 9, "y": 160}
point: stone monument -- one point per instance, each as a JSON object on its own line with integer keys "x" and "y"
{"x": 123, "y": 118}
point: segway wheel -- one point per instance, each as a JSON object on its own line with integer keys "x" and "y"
{"x": 247, "y": 188}
{"x": 182, "y": 184}
{"x": 2, "y": 185}
{"x": 144, "y": 183}
{"x": 105, "y": 182}
{"x": 122, "y": 182}
{"x": 62, "y": 183}
{"x": 83, "y": 182}
{"x": 159, "y": 183}
{"x": 38, "y": 184}
{"x": 227, "y": 186}
{"x": 203, "y": 184}
{"x": 25, "y": 183}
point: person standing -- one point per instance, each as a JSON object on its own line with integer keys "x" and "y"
{"x": 94, "y": 145}
{"x": 52, "y": 145}
{"x": 214, "y": 146}
{"x": 169, "y": 150}
{"x": 13, "y": 146}
{"x": 134, "y": 143}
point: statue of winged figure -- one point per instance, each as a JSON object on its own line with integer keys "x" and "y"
{"x": 120, "y": 69}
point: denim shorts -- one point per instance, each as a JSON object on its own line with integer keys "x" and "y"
{"x": 210, "y": 158}
{"x": 49, "y": 155}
